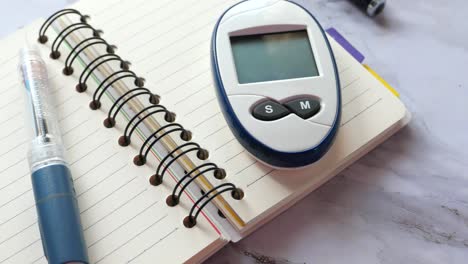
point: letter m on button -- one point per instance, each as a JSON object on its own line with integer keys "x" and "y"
{"x": 305, "y": 105}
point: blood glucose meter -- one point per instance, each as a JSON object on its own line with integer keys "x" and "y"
{"x": 276, "y": 81}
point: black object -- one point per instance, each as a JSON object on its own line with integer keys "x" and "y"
{"x": 269, "y": 111}
{"x": 370, "y": 7}
{"x": 304, "y": 107}
{"x": 92, "y": 37}
{"x": 236, "y": 193}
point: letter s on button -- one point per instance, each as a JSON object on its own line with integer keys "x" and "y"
{"x": 268, "y": 109}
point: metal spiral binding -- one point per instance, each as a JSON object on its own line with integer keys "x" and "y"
{"x": 93, "y": 65}
{"x": 62, "y": 36}
{"x": 125, "y": 98}
{"x": 202, "y": 154}
{"x": 236, "y": 193}
{"x": 185, "y": 135}
{"x": 106, "y": 83}
{"x": 173, "y": 199}
{"x": 80, "y": 47}
{"x": 42, "y": 37}
{"x": 153, "y": 109}
{"x": 125, "y": 140}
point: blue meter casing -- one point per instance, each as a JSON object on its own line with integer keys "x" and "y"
{"x": 276, "y": 81}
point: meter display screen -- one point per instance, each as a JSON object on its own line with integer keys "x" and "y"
{"x": 273, "y": 56}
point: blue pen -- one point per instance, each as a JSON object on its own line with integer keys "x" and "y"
{"x": 56, "y": 203}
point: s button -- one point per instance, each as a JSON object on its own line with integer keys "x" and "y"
{"x": 269, "y": 111}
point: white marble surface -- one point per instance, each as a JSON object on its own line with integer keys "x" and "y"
{"x": 405, "y": 202}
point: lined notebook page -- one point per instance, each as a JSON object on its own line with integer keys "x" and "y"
{"x": 146, "y": 39}
{"x": 169, "y": 42}
{"x": 125, "y": 219}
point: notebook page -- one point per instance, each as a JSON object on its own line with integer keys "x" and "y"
{"x": 170, "y": 44}
{"x": 157, "y": 23}
{"x": 124, "y": 218}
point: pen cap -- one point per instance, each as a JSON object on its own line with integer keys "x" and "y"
{"x": 371, "y": 7}
{"x": 41, "y": 121}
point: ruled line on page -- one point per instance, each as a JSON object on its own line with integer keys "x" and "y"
{"x": 214, "y": 132}
{"x": 192, "y": 111}
{"x": 246, "y": 167}
{"x": 234, "y": 156}
{"x": 15, "y": 197}
{"x": 18, "y": 214}
{"x": 97, "y": 165}
{"x": 8, "y": 89}
{"x": 139, "y": 17}
{"x": 14, "y": 100}
{"x": 19, "y": 251}
{"x": 116, "y": 209}
{"x": 8, "y": 60}
{"x": 72, "y": 112}
{"x": 61, "y": 103}
{"x": 12, "y": 133}
{"x": 85, "y": 137}
{"x": 9, "y": 73}
{"x": 20, "y": 144}
{"x": 123, "y": 224}
{"x": 344, "y": 69}
{"x": 90, "y": 151}
{"x": 171, "y": 29}
{"x": 350, "y": 83}
{"x": 207, "y": 119}
{"x": 198, "y": 44}
{"x": 13, "y": 116}
{"x": 108, "y": 195}
{"x": 152, "y": 245}
{"x": 19, "y": 232}
{"x": 356, "y": 97}
{"x": 180, "y": 69}
{"x": 178, "y": 40}
{"x": 39, "y": 258}
{"x": 109, "y": 8}
{"x": 67, "y": 131}
{"x": 14, "y": 181}
{"x": 168, "y": 92}
{"x": 11, "y": 165}
{"x": 225, "y": 144}
{"x": 113, "y": 172}
{"x": 358, "y": 114}
{"x": 260, "y": 178}
{"x": 183, "y": 99}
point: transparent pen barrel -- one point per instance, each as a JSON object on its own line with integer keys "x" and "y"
{"x": 41, "y": 122}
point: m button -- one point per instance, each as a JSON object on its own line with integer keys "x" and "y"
{"x": 269, "y": 111}
{"x": 304, "y": 108}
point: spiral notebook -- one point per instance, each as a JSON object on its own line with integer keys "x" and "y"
{"x": 156, "y": 129}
